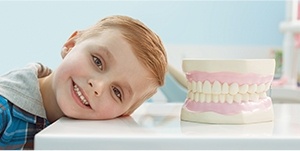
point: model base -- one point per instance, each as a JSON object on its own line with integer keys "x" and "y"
{"x": 215, "y": 118}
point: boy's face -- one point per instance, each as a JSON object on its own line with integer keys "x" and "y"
{"x": 100, "y": 78}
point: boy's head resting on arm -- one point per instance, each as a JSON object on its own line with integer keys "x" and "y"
{"x": 108, "y": 70}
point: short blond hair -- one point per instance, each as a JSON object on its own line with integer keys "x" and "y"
{"x": 147, "y": 45}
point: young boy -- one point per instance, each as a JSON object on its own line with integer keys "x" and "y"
{"x": 107, "y": 71}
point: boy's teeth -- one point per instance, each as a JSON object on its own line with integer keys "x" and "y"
{"x": 79, "y": 94}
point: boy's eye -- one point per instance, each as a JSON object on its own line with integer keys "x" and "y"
{"x": 98, "y": 62}
{"x": 117, "y": 93}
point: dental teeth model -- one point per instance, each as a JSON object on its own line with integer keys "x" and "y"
{"x": 228, "y": 91}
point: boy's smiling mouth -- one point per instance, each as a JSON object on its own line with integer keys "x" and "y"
{"x": 80, "y": 95}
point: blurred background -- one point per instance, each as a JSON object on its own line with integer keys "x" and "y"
{"x": 34, "y": 31}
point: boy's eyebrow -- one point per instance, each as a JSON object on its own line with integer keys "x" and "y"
{"x": 106, "y": 52}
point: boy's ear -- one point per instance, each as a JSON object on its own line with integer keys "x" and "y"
{"x": 69, "y": 44}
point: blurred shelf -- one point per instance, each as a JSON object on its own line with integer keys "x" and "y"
{"x": 286, "y": 94}
{"x": 290, "y": 26}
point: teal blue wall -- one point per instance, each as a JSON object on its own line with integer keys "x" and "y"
{"x": 36, "y": 30}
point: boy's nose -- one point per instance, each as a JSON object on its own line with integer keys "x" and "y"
{"x": 93, "y": 86}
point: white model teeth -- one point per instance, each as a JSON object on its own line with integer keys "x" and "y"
{"x": 79, "y": 94}
{"x": 217, "y": 88}
{"x": 223, "y": 92}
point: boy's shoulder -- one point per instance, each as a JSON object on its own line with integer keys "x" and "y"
{"x": 21, "y": 87}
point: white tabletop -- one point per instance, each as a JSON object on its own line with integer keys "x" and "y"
{"x": 158, "y": 126}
